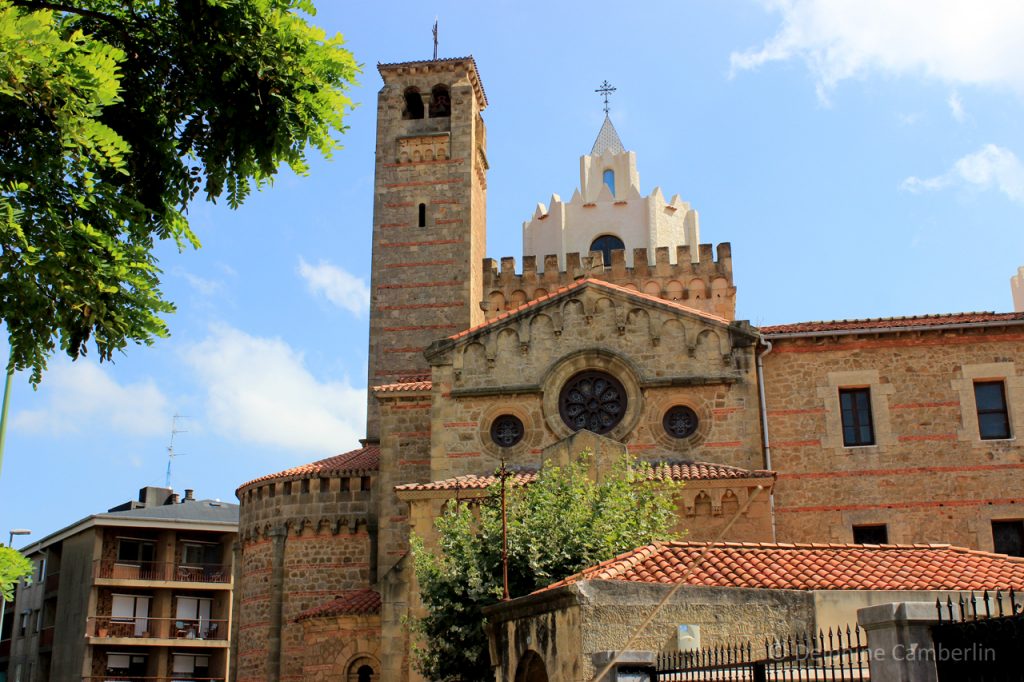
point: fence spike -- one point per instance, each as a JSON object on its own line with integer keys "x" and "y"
{"x": 961, "y": 603}
{"x": 974, "y": 606}
{"x": 999, "y": 602}
{"x": 949, "y": 607}
{"x": 938, "y": 607}
{"x": 1013, "y": 602}
{"x": 988, "y": 609}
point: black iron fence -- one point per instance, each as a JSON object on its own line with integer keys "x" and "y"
{"x": 835, "y": 654}
{"x": 979, "y": 638}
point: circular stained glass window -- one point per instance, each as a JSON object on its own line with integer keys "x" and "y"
{"x": 592, "y": 400}
{"x": 507, "y": 430}
{"x": 680, "y": 422}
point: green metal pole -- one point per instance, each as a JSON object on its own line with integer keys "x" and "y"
{"x": 3, "y": 416}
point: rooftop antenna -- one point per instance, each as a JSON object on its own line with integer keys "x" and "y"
{"x": 171, "y": 454}
{"x": 435, "y": 39}
{"x": 605, "y": 90}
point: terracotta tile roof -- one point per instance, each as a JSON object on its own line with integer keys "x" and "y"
{"x": 364, "y": 459}
{"x": 893, "y": 323}
{"x": 660, "y": 471}
{"x": 579, "y": 284}
{"x": 350, "y": 603}
{"x": 414, "y": 382}
{"x": 812, "y": 567}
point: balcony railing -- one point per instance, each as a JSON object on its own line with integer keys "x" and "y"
{"x": 107, "y": 627}
{"x": 46, "y": 637}
{"x": 52, "y": 582}
{"x": 154, "y": 570}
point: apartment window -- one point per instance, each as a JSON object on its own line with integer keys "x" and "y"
{"x": 872, "y": 534}
{"x": 993, "y": 418}
{"x": 855, "y": 406}
{"x": 41, "y": 570}
{"x": 129, "y": 615}
{"x": 23, "y": 622}
{"x": 126, "y": 665}
{"x": 191, "y": 665}
{"x": 199, "y": 554}
{"x": 39, "y": 620}
{"x": 1008, "y": 537}
{"x": 135, "y": 551}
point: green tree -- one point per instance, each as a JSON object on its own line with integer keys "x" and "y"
{"x": 558, "y": 525}
{"x": 13, "y": 567}
{"x": 115, "y": 115}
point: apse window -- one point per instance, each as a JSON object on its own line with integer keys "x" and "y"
{"x": 855, "y": 408}
{"x": 1008, "y": 537}
{"x": 872, "y": 534}
{"x": 606, "y": 244}
{"x": 993, "y": 417}
{"x": 609, "y": 181}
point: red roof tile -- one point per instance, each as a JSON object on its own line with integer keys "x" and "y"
{"x": 811, "y": 567}
{"x": 351, "y": 603}
{"x": 893, "y": 323}
{"x": 364, "y": 459}
{"x": 660, "y": 471}
{"x": 422, "y": 383}
{"x": 578, "y": 284}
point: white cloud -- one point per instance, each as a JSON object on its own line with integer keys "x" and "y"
{"x": 970, "y": 43}
{"x": 341, "y": 288}
{"x": 82, "y": 396}
{"x": 956, "y": 107}
{"x": 206, "y": 287}
{"x": 991, "y": 167}
{"x": 259, "y": 390}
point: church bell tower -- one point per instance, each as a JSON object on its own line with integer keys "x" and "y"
{"x": 429, "y": 216}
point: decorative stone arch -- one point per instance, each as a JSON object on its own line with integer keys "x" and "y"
{"x": 495, "y": 302}
{"x": 674, "y": 290}
{"x": 602, "y": 360}
{"x": 531, "y": 668}
{"x": 362, "y": 668}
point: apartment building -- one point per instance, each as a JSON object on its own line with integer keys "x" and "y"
{"x": 141, "y": 592}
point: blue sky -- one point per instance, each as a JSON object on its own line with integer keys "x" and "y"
{"x": 863, "y": 161}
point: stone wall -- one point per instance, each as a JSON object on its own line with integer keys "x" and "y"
{"x": 705, "y": 284}
{"x": 929, "y": 476}
{"x": 567, "y": 626}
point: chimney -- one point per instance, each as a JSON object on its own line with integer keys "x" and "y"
{"x": 188, "y": 495}
{"x": 174, "y": 499}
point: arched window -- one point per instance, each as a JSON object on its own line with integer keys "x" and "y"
{"x": 440, "y": 102}
{"x": 413, "y": 103}
{"x": 607, "y": 243}
{"x": 423, "y": 215}
{"x": 609, "y": 180}
{"x": 362, "y": 670}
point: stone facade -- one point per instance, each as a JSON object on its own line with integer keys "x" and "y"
{"x": 457, "y": 343}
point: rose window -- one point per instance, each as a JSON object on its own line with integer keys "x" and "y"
{"x": 506, "y": 430}
{"x": 592, "y": 400}
{"x": 680, "y": 422}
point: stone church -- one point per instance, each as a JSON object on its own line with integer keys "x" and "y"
{"x": 616, "y": 332}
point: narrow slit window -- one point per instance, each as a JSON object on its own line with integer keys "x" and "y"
{"x": 423, "y": 215}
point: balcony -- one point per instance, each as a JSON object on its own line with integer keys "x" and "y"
{"x": 180, "y": 631}
{"x": 113, "y": 572}
{"x": 51, "y": 583}
{"x": 46, "y": 638}
{"x": 137, "y": 678}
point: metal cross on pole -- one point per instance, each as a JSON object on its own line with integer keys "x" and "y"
{"x": 435, "y": 39}
{"x": 503, "y": 473}
{"x": 605, "y": 90}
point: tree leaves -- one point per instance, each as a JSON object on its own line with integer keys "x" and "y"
{"x": 564, "y": 522}
{"x": 115, "y": 117}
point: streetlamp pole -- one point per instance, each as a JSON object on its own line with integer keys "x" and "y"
{"x": 10, "y": 544}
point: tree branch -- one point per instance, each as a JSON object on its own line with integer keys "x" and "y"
{"x": 60, "y": 7}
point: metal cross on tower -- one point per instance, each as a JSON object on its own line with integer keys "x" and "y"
{"x": 605, "y": 90}
{"x": 435, "y": 39}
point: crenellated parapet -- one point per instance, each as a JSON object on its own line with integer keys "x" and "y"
{"x": 704, "y": 284}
